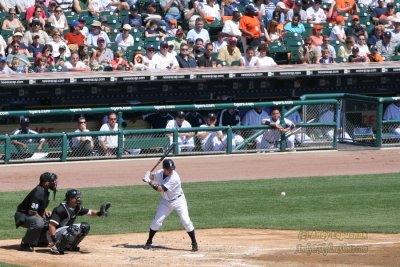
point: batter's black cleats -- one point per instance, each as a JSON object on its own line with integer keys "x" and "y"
{"x": 147, "y": 245}
{"x": 25, "y": 247}
{"x": 195, "y": 247}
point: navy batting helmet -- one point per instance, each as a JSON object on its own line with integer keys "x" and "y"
{"x": 168, "y": 164}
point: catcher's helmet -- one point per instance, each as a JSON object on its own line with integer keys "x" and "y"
{"x": 168, "y": 164}
{"x": 73, "y": 193}
{"x": 48, "y": 176}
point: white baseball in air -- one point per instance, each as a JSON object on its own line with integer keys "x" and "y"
{"x": 283, "y": 194}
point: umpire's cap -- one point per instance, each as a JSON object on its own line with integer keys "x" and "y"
{"x": 168, "y": 164}
{"x": 48, "y": 176}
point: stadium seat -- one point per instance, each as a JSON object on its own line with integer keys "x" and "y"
{"x": 340, "y": 60}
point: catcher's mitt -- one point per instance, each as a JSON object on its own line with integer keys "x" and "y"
{"x": 104, "y": 209}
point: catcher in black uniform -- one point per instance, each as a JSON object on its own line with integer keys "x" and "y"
{"x": 63, "y": 233}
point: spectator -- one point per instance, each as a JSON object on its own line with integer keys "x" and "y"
{"x": 41, "y": 65}
{"x": 74, "y": 38}
{"x": 82, "y": 145}
{"x": 210, "y": 11}
{"x": 212, "y": 140}
{"x": 138, "y": 62}
{"x": 326, "y": 58}
{"x": 22, "y": 6}
{"x": 101, "y": 57}
{"x": 355, "y": 55}
{"x": 109, "y": 143}
{"x": 396, "y": 31}
{"x": 35, "y": 30}
{"x": 385, "y": 47}
{"x": 125, "y": 39}
{"x": 171, "y": 48}
{"x": 74, "y": 64}
{"x": 325, "y": 44}
{"x": 15, "y": 66}
{"x": 104, "y": 26}
{"x": 58, "y": 20}
{"x": 230, "y": 53}
{"x": 173, "y": 27}
{"x": 185, "y": 139}
{"x": 158, "y": 120}
{"x": 220, "y": 42}
{"x": 198, "y": 49}
{"x": 345, "y": 50}
{"x": 297, "y": 9}
{"x": 376, "y": 36}
{"x": 62, "y": 57}
{"x": 37, "y": 16}
{"x": 22, "y": 145}
{"x": 184, "y": 59}
{"x": 23, "y": 49}
{"x": 198, "y": 32}
{"x": 272, "y": 137}
{"x": 31, "y": 10}
{"x": 11, "y": 23}
{"x": 337, "y": 32}
{"x": 392, "y": 112}
{"x": 207, "y": 60}
{"x": 374, "y": 56}
{"x": 348, "y": 6}
{"x": 307, "y": 52}
{"x": 317, "y": 37}
{"x": 35, "y": 47}
{"x": 47, "y": 53}
{"x": 114, "y": 5}
{"x": 119, "y": 63}
{"x": 231, "y": 27}
{"x": 7, "y": 5}
{"x": 134, "y": 19}
{"x": 386, "y": 17}
{"x": 164, "y": 60}
{"x": 230, "y": 6}
{"x": 4, "y": 69}
{"x": 263, "y": 59}
{"x": 356, "y": 30}
{"x": 152, "y": 30}
{"x": 362, "y": 45}
{"x": 15, "y": 53}
{"x": 172, "y": 9}
{"x": 66, "y": 5}
{"x": 250, "y": 27}
{"x": 151, "y": 14}
{"x": 97, "y": 33}
{"x": 80, "y": 6}
{"x": 273, "y": 33}
{"x": 179, "y": 40}
{"x": 84, "y": 29}
{"x": 57, "y": 43}
{"x": 192, "y": 13}
{"x": 295, "y": 26}
{"x": 149, "y": 59}
{"x": 249, "y": 60}
{"x": 315, "y": 14}
{"x": 84, "y": 55}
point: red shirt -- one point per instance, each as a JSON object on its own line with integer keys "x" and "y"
{"x": 73, "y": 38}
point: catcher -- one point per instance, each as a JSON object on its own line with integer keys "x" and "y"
{"x": 63, "y": 234}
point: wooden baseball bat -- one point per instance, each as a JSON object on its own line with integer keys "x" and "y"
{"x": 166, "y": 152}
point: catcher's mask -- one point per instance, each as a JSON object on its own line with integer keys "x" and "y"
{"x": 52, "y": 178}
{"x": 73, "y": 193}
{"x": 168, "y": 164}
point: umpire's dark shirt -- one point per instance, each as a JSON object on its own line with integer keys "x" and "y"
{"x": 37, "y": 200}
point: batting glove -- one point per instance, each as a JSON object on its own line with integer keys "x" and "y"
{"x": 146, "y": 177}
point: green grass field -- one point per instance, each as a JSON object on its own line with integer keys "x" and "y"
{"x": 345, "y": 203}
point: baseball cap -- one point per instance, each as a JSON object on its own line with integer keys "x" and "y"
{"x": 133, "y": 8}
{"x": 150, "y": 47}
{"x": 24, "y": 120}
{"x": 389, "y": 5}
{"x": 387, "y": 34}
{"x": 180, "y": 114}
{"x": 355, "y": 17}
{"x": 212, "y": 116}
{"x": 35, "y": 22}
{"x": 96, "y": 23}
{"x": 251, "y": 8}
{"x": 2, "y": 59}
{"x": 18, "y": 34}
{"x": 281, "y": 5}
{"x": 76, "y": 24}
{"x": 179, "y": 32}
{"x": 150, "y": 3}
{"x": 317, "y": 27}
{"x": 62, "y": 47}
{"x": 82, "y": 20}
{"x": 173, "y": 21}
{"x": 232, "y": 40}
{"x": 127, "y": 27}
{"x": 299, "y": 3}
{"x": 170, "y": 43}
{"x": 340, "y": 18}
{"x": 355, "y": 49}
{"x": 100, "y": 39}
{"x": 163, "y": 43}
{"x": 373, "y": 47}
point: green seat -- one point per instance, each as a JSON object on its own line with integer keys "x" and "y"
{"x": 276, "y": 47}
{"x": 235, "y": 63}
{"x": 340, "y": 60}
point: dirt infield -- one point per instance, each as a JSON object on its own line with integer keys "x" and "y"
{"x": 218, "y": 247}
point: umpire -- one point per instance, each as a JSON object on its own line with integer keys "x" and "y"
{"x": 32, "y": 212}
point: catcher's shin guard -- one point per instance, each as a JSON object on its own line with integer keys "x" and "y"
{"x": 68, "y": 237}
{"x": 84, "y": 230}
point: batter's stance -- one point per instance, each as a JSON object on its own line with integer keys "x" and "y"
{"x": 168, "y": 183}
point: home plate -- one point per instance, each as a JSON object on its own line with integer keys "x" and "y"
{"x": 193, "y": 255}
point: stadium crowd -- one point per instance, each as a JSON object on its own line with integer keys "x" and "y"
{"x": 140, "y": 35}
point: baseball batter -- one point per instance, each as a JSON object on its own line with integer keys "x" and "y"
{"x": 168, "y": 183}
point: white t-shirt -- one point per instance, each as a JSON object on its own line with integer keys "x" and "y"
{"x": 266, "y": 61}
{"x": 162, "y": 62}
{"x": 124, "y": 43}
{"x": 67, "y": 65}
{"x": 111, "y": 140}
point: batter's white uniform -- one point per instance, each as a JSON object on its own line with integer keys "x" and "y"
{"x": 184, "y": 143}
{"x": 173, "y": 199}
{"x": 272, "y": 137}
